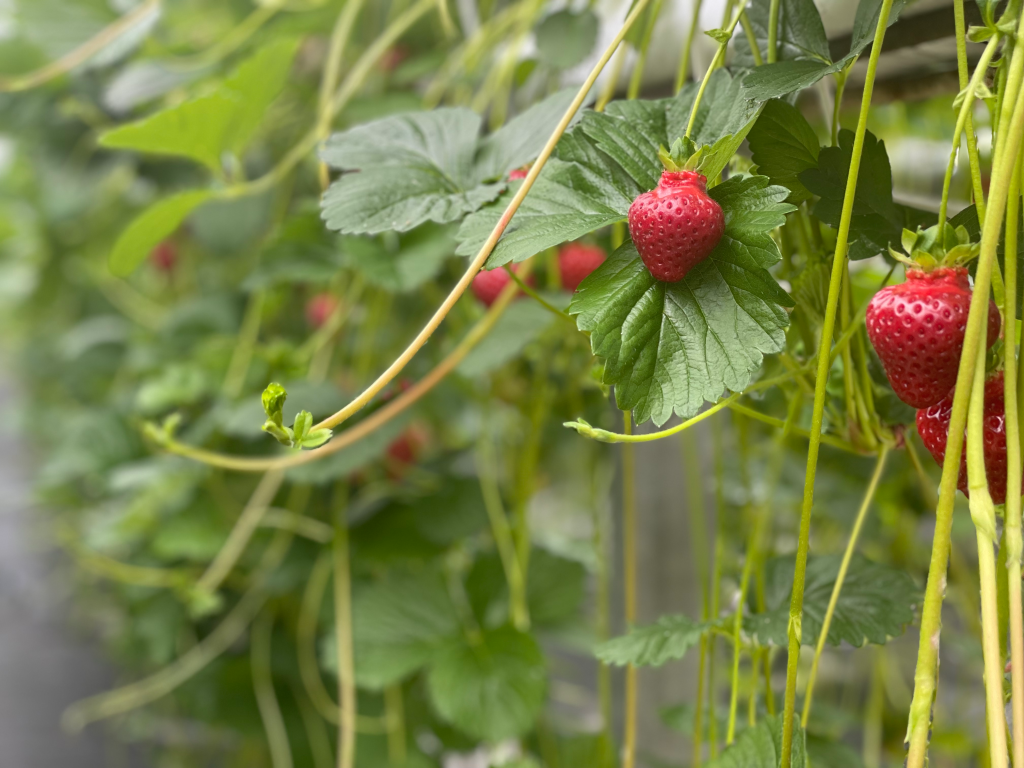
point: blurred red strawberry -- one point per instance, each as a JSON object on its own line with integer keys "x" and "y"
{"x": 319, "y": 309}
{"x": 164, "y": 257}
{"x": 576, "y": 261}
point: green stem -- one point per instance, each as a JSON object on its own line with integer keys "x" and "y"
{"x": 748, "y": 30}
{"x": 394, "y": 708}
{"x": 306, "y": 646}
{"x": 841, "y": 78}
{"x": 773, "y": 31}
{"x": 844, "y": 566}
{"x": 684, "y": 60}
{"x": 962, "y": 119}
{"x": 716, "y": 580}
{"x": 603, "y": 598}
{"x": 241, "y": 357}
{"x": 636, "y": 78}
{"x": 984, "y": 516}
{"x": 1012, "y": 125}
{"x": 972, "y": 139}
{"x": 821, "y": 380}
{"x": 716, "y": 62}
{"x": 699, "y": 543}
{"x": 529, "y": 291}
{"x": 1014, "y": 543}
{"x": 629, "y": 578}
{"x": 343, "y": 632}
{"x": 266, "y": 698}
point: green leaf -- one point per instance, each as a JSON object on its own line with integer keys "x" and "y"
{"x": 555, "y": 589}
{"x": 667, "y": 639}
{"x": 150, "y": 227}
{"x": 877, "y": 220}
{"x": 564, "y": 39}
{"x": 207, "y": 127}
{"x": 401, "y": 267}
{"x": 783, "y": 145}
{"x": 801, "y": 33}
{"x": 875, "y": 605}
{"x": 491, "y": 689}
{"x": 518, "y": 326}
{"x": 668, "y": 347}
{"x": 760, "y": 747}
{"x": 399, "y": 625}
{"x": 866, "y": 20}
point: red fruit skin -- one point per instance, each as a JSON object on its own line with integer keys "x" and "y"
{"x": 518, "y": 173}
{"x": 933, "y": 426}
{"x": 405, "y": 450}
{"x": 576, "y": 261}
{"x": 164, "y": 257}
{"x": 319, "y": 308}
{"x": 917, "y": 329}
{"x": 489, "y": 283}
{"x": 676, "y": 225}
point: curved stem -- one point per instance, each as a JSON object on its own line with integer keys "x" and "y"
{"x": 266, "y": 698}
{"x": 309, "y": 614}
{"x": 629, "y": 578}
{"x": 82, "y": 53}
{"x": 963, "y": 117}
{"x": 684, "y": 59}
{"x": 821, "y": 380}
{"x": 1014, "y": 543}
{"x": 485, "y": 251}
{"x": 1012, "y": 125}
{"x": 637, "y": 76}
{"x": 844, "y": 566}
{"x": 716, "y": 62}
{"x": 835, "y": 442}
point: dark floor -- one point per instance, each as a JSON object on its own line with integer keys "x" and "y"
{"x": 43, "y": 665}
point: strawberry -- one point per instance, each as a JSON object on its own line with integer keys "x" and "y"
{"x": 405, "y": 450}
{"x": 933, "y": 426}
{"x": 489, "y": 283}
{"x": 676, "y": 225}
{"x": 576, "y": 261}
{"x": 319, "y": 309}
{"x": 518, "y": 173}
{"x": 917, "y": 329}
{"x": 164, "y": 257}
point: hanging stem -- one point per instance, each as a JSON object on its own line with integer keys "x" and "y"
{"x": 636, "y": 79}
{"x": 972, "y": 139}
{"x": 716, "y": 62}
{"x": 773, "y": 31}
{"x": 821, "y": 380}
{"x": 343, "y": 631}
{"x": 1013, "y": 543}
{"x": 266, "y": 698}
{"x": 716, "y": 580}
{"x": 844, "y": 566}
{"x": 699, "y": 543}
{"x": 1011, "y": 126}
{"x": 684, "y": 60}
{"x": 984, "y": 516}
{"x": 629, "y": 578}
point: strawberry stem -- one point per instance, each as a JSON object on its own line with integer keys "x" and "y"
{"x": 821, "y": 381}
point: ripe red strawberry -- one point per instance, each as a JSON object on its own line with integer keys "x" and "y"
{"x": 406, "y": 449}
{"x": 518, "y": 173}
{"x": 489, "y": 283}
{"x": 576, "y": 261}
{"x": 319, "y": 308}
{"x": 676, "y": 225}
{"x": 917, "y": 329}
{"x": 164, "y": 257}
{"x": 933, "y": 426}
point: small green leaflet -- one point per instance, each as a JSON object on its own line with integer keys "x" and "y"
{"x": 669, "y": 638}
{"x": 761, "y": 745}
{"x": 875, "y": 604}
{"x": 493, "y": 688}
{"x": 428, "y": 166}
{"x": 602, "y": 165}
{"x": 783, "y": 145}
{"x": 668, "y": 347}
{"x": 151, "y": 226}
{"x": 207, "y": 127}
{"x": 782, "y": 77}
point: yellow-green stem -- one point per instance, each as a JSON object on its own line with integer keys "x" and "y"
{"x": 684, "y": 59}
{"x": 716, "y": 62}
{"x": 343, "y": 632}
{"x": 972, "y": 138}
{"x": 699, "y": 545}
{"x": 851, "y": 547}
{"x": 629, "y": 579}
{"x": 773, "y": 31}
{"x": 266, "y": 698}
{"x": 637, "y": 77}
{"x": 821, "y": 380}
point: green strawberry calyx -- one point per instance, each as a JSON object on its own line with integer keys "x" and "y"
{"x": 937, "y": 246}
{"x": 683, "y": 155}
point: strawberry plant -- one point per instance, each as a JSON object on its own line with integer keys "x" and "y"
{"x": 326, "y": 509}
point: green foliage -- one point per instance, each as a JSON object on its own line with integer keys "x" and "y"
{"x": 759, "y": 747}
{"x": 521, "y": 324}
{"x": 668, "y": 347}
{"x": 428, "y": 166}
{"x": 150, "y": 227}
{"x": 667, "y": 639}
{"x": 223, "y": 121}
{"x": 490, "y": 686}
{"x": 783, "y": 145}
{"x": 876, "y": 603}
{"x": 565, "y": 38}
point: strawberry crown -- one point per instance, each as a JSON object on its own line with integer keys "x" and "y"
{"x": 941, "y": 245}
{"x": 684, "y": 155}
